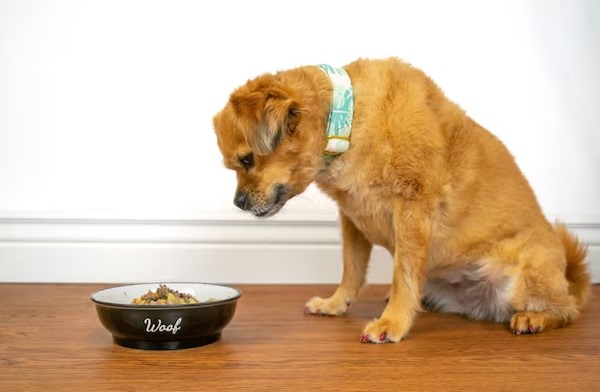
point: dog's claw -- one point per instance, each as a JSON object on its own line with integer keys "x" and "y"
{"x": 317, "y": 312}
{"x": 382, "y": 338}
{"x": 533, "y": 329}
{"x": 308, "y": 311}
{"x": 530, "y": 330}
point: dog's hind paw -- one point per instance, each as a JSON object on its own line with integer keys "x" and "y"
{"x": 527, "y": 322}
{"x": 327, "y": 306}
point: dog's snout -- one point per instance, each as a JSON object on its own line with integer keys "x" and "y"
{"x": 241, "y": 201}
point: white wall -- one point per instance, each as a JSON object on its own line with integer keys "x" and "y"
{"x": 108, "y": 164}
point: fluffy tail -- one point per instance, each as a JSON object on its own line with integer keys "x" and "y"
{"x": 577, "y": 272}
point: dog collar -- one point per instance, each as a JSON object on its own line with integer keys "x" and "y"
{"x": 339, "y": 123}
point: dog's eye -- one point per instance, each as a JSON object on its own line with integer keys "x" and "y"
{"x": 247, "y": 161}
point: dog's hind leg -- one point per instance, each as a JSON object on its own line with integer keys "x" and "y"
{"x": 540, "y": 313}
{"x": 356, "y": 253}
{"x": 551, "y": 288}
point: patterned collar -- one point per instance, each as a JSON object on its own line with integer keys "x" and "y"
{"x": 339, "y": 124}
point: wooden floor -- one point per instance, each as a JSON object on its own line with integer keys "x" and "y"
{"x": 51, "y": 340}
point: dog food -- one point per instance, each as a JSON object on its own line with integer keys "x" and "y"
{"x": 165, "y": 296}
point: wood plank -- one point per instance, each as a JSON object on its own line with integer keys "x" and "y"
{"x": 51, "y": 339}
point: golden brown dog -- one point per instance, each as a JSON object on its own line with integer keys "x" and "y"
{"x": 421, "y": 179}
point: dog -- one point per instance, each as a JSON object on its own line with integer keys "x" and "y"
{"x": 414, "y": 175}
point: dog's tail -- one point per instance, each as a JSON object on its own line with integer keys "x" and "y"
{"x": 577, "y": 272}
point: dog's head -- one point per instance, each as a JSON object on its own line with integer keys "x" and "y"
{"x": 266, "y": 133}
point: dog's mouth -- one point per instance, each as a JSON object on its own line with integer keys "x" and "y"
{"x": 281, "y": 195}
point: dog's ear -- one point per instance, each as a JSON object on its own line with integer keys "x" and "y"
{"x": 270, "y": 112}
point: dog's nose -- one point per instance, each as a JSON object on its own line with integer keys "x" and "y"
{"x": 241, "y": 201}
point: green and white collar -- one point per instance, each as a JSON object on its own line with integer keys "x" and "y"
{"x": 339, "y": 124}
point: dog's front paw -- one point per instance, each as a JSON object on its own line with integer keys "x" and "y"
{"x": 333, "y": 306}
{"x": 384, "y": 330}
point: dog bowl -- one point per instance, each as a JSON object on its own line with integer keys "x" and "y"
{"x": 166, "y": 327}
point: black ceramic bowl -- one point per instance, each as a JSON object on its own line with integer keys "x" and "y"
{"x": 166, "y": 327}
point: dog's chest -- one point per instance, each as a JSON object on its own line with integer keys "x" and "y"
{"x": 364, "y": 206}
{"x": 373, "y": 221}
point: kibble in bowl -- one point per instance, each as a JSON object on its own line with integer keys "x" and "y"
{"x": 165, "y": 296}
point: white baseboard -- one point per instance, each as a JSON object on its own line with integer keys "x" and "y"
{"x": 229, "y": 250}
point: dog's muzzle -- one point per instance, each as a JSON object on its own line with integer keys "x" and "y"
{"x": 262, "y": 207}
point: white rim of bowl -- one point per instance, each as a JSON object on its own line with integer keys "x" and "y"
{"x": 237, "y": 295}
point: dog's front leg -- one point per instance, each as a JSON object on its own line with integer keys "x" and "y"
{"x": 412, "y": 230}
{"x": 356, "y": 253}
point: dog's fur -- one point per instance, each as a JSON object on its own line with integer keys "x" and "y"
{"x": 421, "y": 179}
